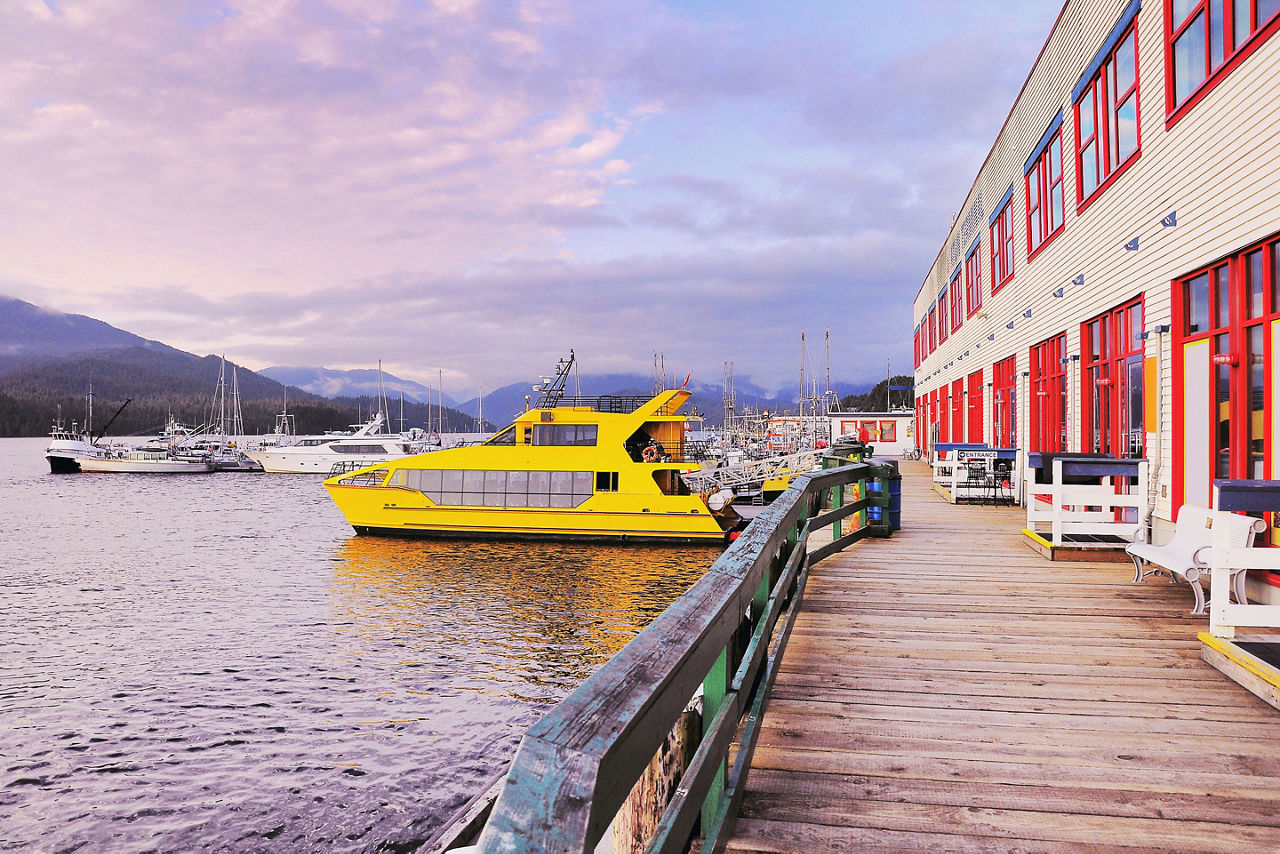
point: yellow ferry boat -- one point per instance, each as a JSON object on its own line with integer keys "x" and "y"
{"x": 582, "y": 468}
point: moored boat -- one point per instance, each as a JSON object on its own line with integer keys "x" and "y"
{"x": 148, "y": 461}
{"x": 583, "y": 468}
{"x": 368, "y": 445}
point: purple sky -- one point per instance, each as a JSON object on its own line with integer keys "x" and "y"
{"x": 475, "y": 187}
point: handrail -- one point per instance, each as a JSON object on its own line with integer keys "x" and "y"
{"x": 575, "y": 767}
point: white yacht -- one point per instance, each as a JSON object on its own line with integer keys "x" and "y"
{"x": 319, "y": 454}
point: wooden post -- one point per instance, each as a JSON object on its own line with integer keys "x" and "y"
{"x": 714, "y": 689}
{"x": 639, "y": 816}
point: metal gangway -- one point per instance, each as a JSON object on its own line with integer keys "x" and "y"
{"x": 752, "y": 473}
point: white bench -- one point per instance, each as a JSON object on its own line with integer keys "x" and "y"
{"x": 1188, "y": 555}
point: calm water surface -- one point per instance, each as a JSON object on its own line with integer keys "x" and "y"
{"x": 216, "y": 662}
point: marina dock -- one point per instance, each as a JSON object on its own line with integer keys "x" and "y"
{"x": 950, "y": 689}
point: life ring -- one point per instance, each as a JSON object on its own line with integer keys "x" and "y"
{"x": 650, "y": 454}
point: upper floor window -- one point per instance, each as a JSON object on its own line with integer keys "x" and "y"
{"x": 1002, "y": 242}
{"x": 943, "y": 326}
{"x": 564, "y": 434}
{"x": 957, "y": 301}
{"x": 933, "y": 327}
{"x": 1207, "y": 38}
{"x": 973, "y": 279}
{"x": 1106, "y": 108}
{"x": 1044, "y": 189}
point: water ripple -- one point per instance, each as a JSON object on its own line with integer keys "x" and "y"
{"x": 216, "y": 663}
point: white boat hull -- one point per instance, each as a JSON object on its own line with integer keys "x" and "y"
{"x": 313, "y": 460}
{"x": 140, "y": 466}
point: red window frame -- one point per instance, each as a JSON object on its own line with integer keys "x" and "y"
{"x": 943, "y": 327}
{"x": 1109, "y": 101}
{"x": 974, "y": 404}
{"x": 1233, "y": 302}
{"x": 973, "y": 280}
{"x": 957, "y": 302}
{"x": 1047, "y": 428}
{"x": 1236, "y": 40}
{"x": 1004, "y": 399}
{"x": 933, "y": 327}
{"x": 957, "y": 411}
{"x": 944, "y": 414}
{"x": 1002, "y": 246}
{"x": 1111, "y": 354}
{"x": 1045, "y": 214}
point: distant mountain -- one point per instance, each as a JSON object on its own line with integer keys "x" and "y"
{"x": 503, "y": 404}
{"x": 333, "y": 383}
{"x": 29, "y": 332}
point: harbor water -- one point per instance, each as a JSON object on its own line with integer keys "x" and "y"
{"x": 215, "y": 662}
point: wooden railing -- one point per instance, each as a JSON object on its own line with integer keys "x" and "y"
{"x": 721, "y": 641}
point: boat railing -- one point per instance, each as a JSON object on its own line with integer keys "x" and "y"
{"x": 717, "y": 647}
{"x": 619, "y": 403}
{"x": 373, "y": 477}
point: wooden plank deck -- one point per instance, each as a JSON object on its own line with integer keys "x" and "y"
{"x": 949, "y": 689}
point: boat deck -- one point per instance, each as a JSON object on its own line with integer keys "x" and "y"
{"x": 950, "y": 689}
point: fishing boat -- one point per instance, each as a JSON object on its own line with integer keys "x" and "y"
{"x": 67, "y": 447}
{"x": 581, "y": 468}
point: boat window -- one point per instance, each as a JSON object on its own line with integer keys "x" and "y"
{"x": 359, "y": 449}
{"x": 606, "y": 481}
{"x": 500, "y": 488}
{"x": 581, "y": 435}
{"x": 506, "y": 437}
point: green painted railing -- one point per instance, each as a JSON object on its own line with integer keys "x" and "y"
{"x": 576, "y": 767}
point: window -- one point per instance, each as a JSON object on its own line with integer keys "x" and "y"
{"x": 942, "y": 317}
{"x": 974, "y": 400}
{"x": 888, "y": 431}
{"x": 973, "y": 279}
{"x": 1106, "y": 109}
{"x": 1001, "y": 239}
{"x": 1232, "y": 306}
{"x": 957, "y": 301}
{"x": 564, "y": 434}
{"x": 606, "y": 481}
{"x": 1111, "y": 350}
{"x": 1044, "y": 189}
{"x": 1004, "y": 408}
{"x": 495, "y": 488}
{"x": 933, "y": 327}
{"x": 1048, "y": 425}
{"x": 957, "y": 411}
{"x": 1206, "y": 39}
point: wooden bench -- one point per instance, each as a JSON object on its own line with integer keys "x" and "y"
{"x": 1188, "y": 556}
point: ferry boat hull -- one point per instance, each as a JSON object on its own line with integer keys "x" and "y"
{"x": 625, "y": 517}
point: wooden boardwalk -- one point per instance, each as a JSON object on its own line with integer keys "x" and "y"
{"x": 949, "y": 689}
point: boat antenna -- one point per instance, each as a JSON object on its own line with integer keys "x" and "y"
{"x": 552, "y": 388}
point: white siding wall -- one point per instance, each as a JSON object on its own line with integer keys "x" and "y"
{"x": 1218, "y": 167}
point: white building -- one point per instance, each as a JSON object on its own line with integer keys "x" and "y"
{"x": 1111, "y": 283}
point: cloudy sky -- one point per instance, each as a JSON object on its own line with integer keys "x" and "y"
{"x": 473, "y": 187}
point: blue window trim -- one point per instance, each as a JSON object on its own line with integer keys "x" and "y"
{"x": 1104, "y": 53}
{"x": 972, "y": 249}
{"x": 1000, "y": 206}
{"x": 1053, "y": 128}
{"x": 956, "y": 273}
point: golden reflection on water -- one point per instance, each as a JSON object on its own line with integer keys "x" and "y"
{"x": 528, "y": 620}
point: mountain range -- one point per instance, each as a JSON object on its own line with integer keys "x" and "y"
{"x": 50, "y": 361}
